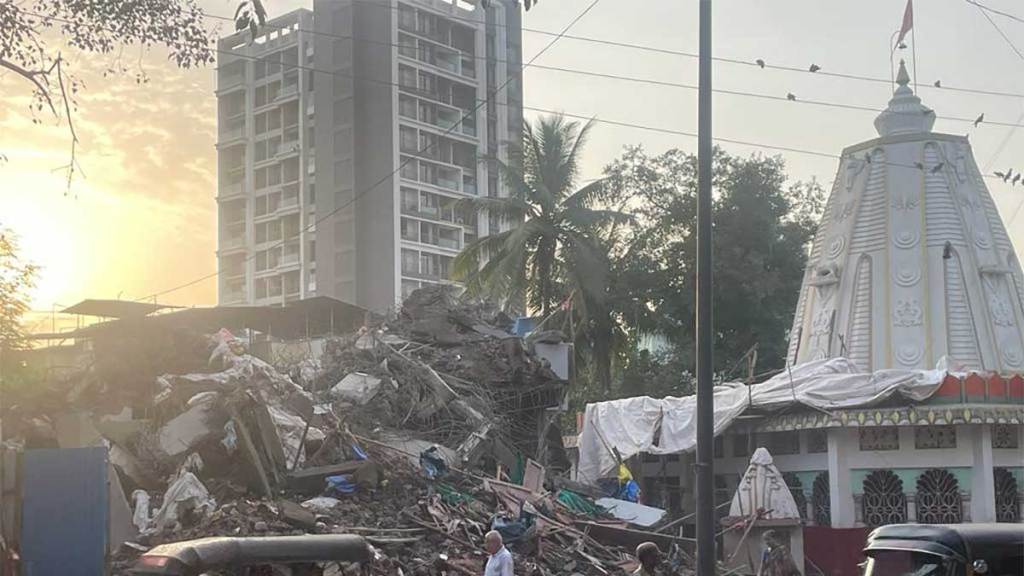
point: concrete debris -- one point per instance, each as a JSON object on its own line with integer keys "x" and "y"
{"x": 394, "y": 433}
{"x": 190, "y": 427}
{"x": 357, "y": 388}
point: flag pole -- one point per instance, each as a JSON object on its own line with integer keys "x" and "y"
{"x": 892, "y": 53}
{"x": 913, "y": 53}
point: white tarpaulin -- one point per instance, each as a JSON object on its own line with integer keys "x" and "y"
{"x": 629, "y": 425}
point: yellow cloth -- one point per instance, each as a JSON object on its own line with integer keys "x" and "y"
{"x": 624, "y": 474}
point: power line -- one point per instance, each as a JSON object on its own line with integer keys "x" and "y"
{"x": 655, "y": 49}
{"x": 998, "y": 29}
{"x": 994, "y": 11}
{"x": 575, "y": 71}
{"x": 631, "y": 78}
{"x": 419, "y": 152}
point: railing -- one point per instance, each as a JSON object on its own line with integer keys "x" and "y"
{"x": 235, "y": 241}
{"x": 230, "y": 80}
{"x": 232, "y": 133}
{"x": 231, "y": 189}
{"x": 234, "y": 296}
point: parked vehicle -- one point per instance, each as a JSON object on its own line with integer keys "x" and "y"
{"x": 946, "y": 550}
{"x": 196, "y": 557}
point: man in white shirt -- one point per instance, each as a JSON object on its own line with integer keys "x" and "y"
{"x": 499, "y": 560}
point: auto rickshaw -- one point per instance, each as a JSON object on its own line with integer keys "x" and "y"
{"x": 945, "y": 550}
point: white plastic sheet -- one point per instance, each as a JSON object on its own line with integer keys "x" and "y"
{"x": 630, "y": 424}
{"x": 185, "y": 493}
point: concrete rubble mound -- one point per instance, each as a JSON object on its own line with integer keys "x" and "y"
{"x": 421, "y": 432}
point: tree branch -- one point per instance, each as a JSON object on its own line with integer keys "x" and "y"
{"x": 71, "y": 123}
{"x": 31, "y": 76}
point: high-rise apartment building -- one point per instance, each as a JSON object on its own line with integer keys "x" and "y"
{"x": 348, "y": 133}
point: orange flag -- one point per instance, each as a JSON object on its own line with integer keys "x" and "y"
{"x": 908, "y": 21}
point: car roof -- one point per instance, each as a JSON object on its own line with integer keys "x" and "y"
{"x": 963, "y": 540}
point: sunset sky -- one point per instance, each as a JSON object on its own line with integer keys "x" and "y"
{"x": 142, "y": 216}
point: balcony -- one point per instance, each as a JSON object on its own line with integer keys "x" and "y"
{"x": 232, "y": 296}
{"x": 228, "y": 81}
{"x": 232, "y": 130}
{"x": 287, "y": 91}
{"x": 232, "y": 242}
{"x": 230, "y": 190}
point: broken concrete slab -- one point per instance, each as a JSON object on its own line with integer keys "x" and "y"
{"x": 190, "y": 428}
{"x": 120, "y": 527}
{"x": 295, "y": 514}
{"x": 292, "y": 434}
{"x": 357, "y": 387}
{"x": 130, "y": 466}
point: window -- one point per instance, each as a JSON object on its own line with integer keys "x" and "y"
{"x": 261, "y": 96}
{"x": 312, "y": 251}
{"x": 261, "y": 123}
{"x": 817, "y": 441}
{"x": 431, "y": 204}
{"x": 779, "y": 443}
{"x": 1005, "y": 436}
{"x": 938, "y": 498}
{"x": 407, "y": 139}
{"x": 934, "y": 437}
{"x": 821, "y": 499}
{"x": 312, "y": 193}
{"x": 290, "y": 169}
{"x": 260, "y": 178}
{"x": 410, "y": 200}
{"x": 796, "y": 488}
{"x": 740, "y": 445}
{"x": 410, "y": 230}
{"x": 410, "y": 262}
{"x": 407, "y": 77}
{"x": 408, "y": 287}
{"x": 407, "y": 106}
{"x": 1007, "y": 496}
{"x": 883, "y": 501}
{"x": 879, "y": 439}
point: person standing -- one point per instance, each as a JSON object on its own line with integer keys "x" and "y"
{"x": 776, "y": 561}
{"x": 650, "y": 558}
{"x": 499, "y": 559}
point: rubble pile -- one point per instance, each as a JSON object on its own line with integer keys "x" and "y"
{"x": 420, "y": 432}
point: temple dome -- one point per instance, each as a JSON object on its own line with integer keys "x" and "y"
{"x": 911, "y": 261}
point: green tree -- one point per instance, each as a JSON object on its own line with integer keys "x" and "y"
{"x": 17, "y": 278}
{"x": 556, "y": 248}
{"x": 761, "y": 231}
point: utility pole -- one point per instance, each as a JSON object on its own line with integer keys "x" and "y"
{"x": 705, "y": 339}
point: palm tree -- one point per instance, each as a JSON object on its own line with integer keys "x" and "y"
{"x": 557, "y": 254}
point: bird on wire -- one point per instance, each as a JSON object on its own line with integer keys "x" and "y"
{"x": 791, "y": 96}
{"x": 938, "y": 83}
{"x": 759, "y": 62}
{"x": 979, "y": 120}
{"x": 1016, "y": 178}
{"x": 919, "y": 166}
{"x": 814, "y": 68}
{"x": 937, "y": 167}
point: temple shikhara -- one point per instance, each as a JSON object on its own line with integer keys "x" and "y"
{"x": 904, "y": 397}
